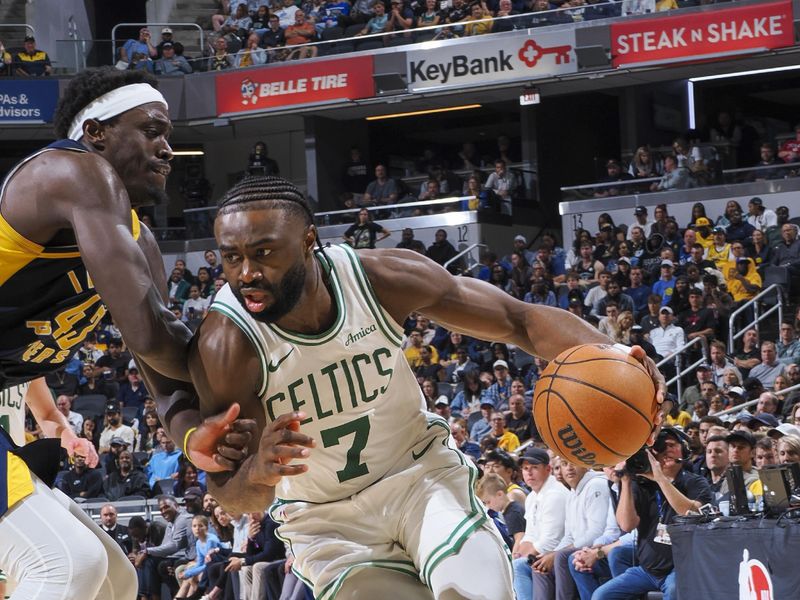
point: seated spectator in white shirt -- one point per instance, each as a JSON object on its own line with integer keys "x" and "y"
{"x": 666, "y": 338}
{"x": 64, "y": 406}
{"x": 195, "y": 308}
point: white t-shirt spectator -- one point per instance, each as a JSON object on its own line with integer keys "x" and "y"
{"x": 545, "y": 515}
{"x": 667, "y": 340}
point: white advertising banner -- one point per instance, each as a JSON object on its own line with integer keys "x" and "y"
{"x": 496, "y": 58}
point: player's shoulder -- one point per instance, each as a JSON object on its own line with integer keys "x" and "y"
{"x": 392, "y": 265}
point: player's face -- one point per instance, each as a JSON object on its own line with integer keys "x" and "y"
{"x": 136, "y": 146}
{"x": 265, "y": 256}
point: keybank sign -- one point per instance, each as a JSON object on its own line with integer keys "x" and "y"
{"x": 497, "y": 58}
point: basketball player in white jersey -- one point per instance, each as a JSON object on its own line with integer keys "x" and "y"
{"x": 308, "y": 342}
{"x": 48, "y": 545}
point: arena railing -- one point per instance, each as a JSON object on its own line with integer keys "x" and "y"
{"x": 745, "y": 405}
{"x": 19, "y": 26}
{"x": 677, "y": 358}
{"x": 758, "y": 316}
{"x": 466, "y": 251}
{"x": 165, "y": 24}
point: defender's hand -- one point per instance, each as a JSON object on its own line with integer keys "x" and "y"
{"x": 80, "y": 446}
{"x": 220, "y": 443}
{"x": 281, "y": 443}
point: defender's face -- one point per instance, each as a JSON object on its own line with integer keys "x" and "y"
{"x": 137, "y": 147}
{"x": 265, "y": 254}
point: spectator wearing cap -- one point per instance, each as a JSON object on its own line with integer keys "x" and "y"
{"x": 770, "y": 367}
{"x": 741, "y": 444}
{"x": 545, "y": 517}
{"x": 132, "y": 392}
{"x": 778, "y": 432}
{"x": 667, "y": 338}
{"x": 640, "y": 220}
{"x": 108, "y": 461}
{"x": 166, "y": 38}
{"x": 502, "y": 463}
{"x": 586, "y": 517}
{"x": 142, "y": 45}
{"x": 720, "y": 250}
{"x": 170, "y": 63}
{"x": 702, "y": 232}
{"x": 760, "y": 217}
{"x": 499, "y": 392}
{"x": 115, "y": 428}
{"x": 81, "y": 481}
{"x": 442, "y": 407}
{"x": 614, "y": 173}
{"x": 483, "y": 426}
{"x": 637, "y": 338}
{"x": 665, "y": 286}
{"x": 164, "y": 464}
{"x": 675, "y": 177}
{"x": 30, "y": 61}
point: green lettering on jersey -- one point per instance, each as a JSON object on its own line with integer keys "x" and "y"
{"x": 4, "y": 423}
{"x": 381, "y": 371}
{"x": 365, "y": 359}
{"x": 353, "y": 466}
{"x": 279, "y": 397}
{"x": 329, "y": 371}
{"x": 350, "y": 386}
{"x": 314, "y": 394}
{"x": 297, "y": 402}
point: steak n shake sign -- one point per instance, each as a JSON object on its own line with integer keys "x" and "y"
{"x": 495, "y": 59}
{"x": 252, "y": 90}
{"x": 702, "y": 35}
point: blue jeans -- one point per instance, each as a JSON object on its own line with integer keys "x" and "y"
{"x": 633, "y": 583}
{"x": 620, "y": 559}
{"x": 587, "y": 583}
{"x": 523, "y": 579}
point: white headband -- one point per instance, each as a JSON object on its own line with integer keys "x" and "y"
{"x": 115, "y": 103}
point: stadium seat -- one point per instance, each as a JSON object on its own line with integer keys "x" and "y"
{"x": 522, "y": 359}
{"x": 129, "y": 413}
{"x": 164, "y": 486}
{"x": 473, "y": 418}
{"x": 91, "y": 404}
{"x": 141, "y": 457}
{"x": 445, "y": 389}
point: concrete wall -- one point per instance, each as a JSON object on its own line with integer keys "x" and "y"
{"x": 51, "y": 19}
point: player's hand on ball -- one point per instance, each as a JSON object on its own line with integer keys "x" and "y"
{"x": 661, "y": 388}
{"x": 220, "y": 443}
{"x": 280, "y": 444}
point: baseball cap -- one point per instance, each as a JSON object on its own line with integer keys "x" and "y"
{"x": 132, "y": 364}
{"x": 767, "y": 419}
{"x": 743, "y": 435}
{"x": 500, "y": 363}
{"x": 193, "y": 492}
{"x": 704, "y": 367}
{"x": 666, "y": 309}
{"x": 637, "y": 328}
{"x": 118, "y": 441}
{"x": 518, "y": 238}
{"x": 702, "y": 222}
{"x": 487, "y": 402}
{"x": 575, "y": 302}
{"x": 757, "y": 201}
{"x": 442, "y": 400}
{"x": 535, "y": 456}
{"x": 624, "y": 259}
{"x": 667, "y": 263}
{"x": 751, "y": 383}
{"x": 784, "y": 429}
{"x": 166, "y": 45}
{"x": 695, "y": 292}
{"x": 612, "y": 162}
{"x": 166, "y": 30}
{"x": 742, "y": 259}
{"x": 718, "y": 229}
{"x": 112, "y": 406}
{"x": 736, "y": 390}
{"x": 30, "y": 38}
{"x": 640, "y": 210}
{"x": 502, "y": 457}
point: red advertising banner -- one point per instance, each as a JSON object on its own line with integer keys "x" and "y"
{"x": 297, "y": 83}
{"x": 702, "y": 35}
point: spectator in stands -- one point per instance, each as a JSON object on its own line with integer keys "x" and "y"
{"x": 509, "y": 517}
{"x": 251, "y": 54}
{"x": 502, "y": 463}
{"x": 500, "y": 391}
{"x": 641, "y": 220}
{"x": 220, "y": 60}
{"x": 156, "y": 562}
{"x": 675, "y": 177}
{"x": 187, "y": 479}
{"x": 649, "y": 507}
{"x": 114, "y": 363}
{"x": 126, "y": 479}
{"x": 170, "y": 63}
{"x": 587, "y": 266}
{"x": 614, "y": 293}
{"x": 585, "y": 520}
{"x": 89, "y": 432}
{"x": 80, "y": 481}
{"x": 788, "y": 346}
{"x": 164, "y": 464}
{"x": 720, "y": 365}
{"x": 149, "y": 425}
{"x": 614, "y": 173}
{"x": 260, "y": 162}
{"x": 787, "y": 253}
{"x": 132, "y": 393}
{"x": 300, "y": 33}
{"x": 117, "y": 531}
{"x": 483, "y": 426}
{"x": 195, "y": 308}
{"x": 638, "y": 291}
{"x": 401, "y": 17}
{"x": 743, "y": 280}
{"x": 274, "y": 38}
{"x": 166, "y": 38}
{"x": 115, "y": 427}
{"x": 442, "y": 251}
{"x": 767, "y": 165}
{"x": 142, "y": 45}
{"x": 506, "y": 440}
{"x": 770, "y": 367}
{"x": 717, "y": 461}
{"x": 479, "y": 20}
{"x": 263, "y": 549}
{"x": 790, "y": 149}
{"x": 178, "y": 287}
{"x": 545, "y": 516}
{"x": 760, "y": 217}
{"x": 501, "y": 181}
{"x": 644, "y": 165}
{"x": 364, "y": 232}
{"x": 383, "y": 190}
{"x": 665, "y": 286}
{"x": 88, "y": 352}
{"x": 64, "y": 406}
{"x": 667, "y": 338}
{"x": 697, "y": 320}
{"x": 519, "y": 420}
{"x": 741, "y": 446}
{"x": 5, "y": 61}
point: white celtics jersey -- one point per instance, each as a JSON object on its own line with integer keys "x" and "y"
{"x": 364, "y": 406}
{"x": 12, "y": 412}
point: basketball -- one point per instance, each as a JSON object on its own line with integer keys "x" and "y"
{"x": 594, "y": 405}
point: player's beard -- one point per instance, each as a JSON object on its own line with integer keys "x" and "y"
{"x": 285, "y": 295}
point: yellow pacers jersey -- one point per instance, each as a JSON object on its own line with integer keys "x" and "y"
{"x": 48, "y": 303}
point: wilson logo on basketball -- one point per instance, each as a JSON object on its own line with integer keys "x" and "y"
{"x": 569, "y": 438}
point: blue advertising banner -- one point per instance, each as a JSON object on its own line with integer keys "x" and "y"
{"x": 28, "y": 100}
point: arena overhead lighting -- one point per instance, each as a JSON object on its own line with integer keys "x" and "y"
{"x": 745, "y": 73}
{"x": 188, "y": 153}
{"x": 430, "y": 111}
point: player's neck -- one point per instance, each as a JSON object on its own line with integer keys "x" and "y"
{"x": 316, "y": 310}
